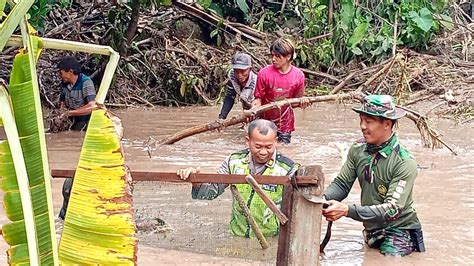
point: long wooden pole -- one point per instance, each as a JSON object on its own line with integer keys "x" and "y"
{"x": 240, "y": 118}
{"x": 201, "y": 178}
{"x": 258, "y": 233}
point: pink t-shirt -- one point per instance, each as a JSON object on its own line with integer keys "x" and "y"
{"x": 273, "y": 86}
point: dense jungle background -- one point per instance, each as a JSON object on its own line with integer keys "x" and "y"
{"x": 177, "y": 53}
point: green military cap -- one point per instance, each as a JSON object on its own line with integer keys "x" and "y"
{"x": 381, "y": 106}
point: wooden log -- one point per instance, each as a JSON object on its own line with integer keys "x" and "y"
{"x": 258, "y": 233}
{"x": 242, "y": 117}
{"x": 200, "y": 178}
{"x": 300, "y": 237}
{"x": 269, "y": 202}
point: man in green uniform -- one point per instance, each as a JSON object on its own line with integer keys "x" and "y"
{"x": 386, "y": 172}
{"x": 261, "y": 158}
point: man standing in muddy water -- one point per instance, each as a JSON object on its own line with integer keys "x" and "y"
{"x": 78, "y": 95}
{"x": 278, "y": 81}
{"x": 242, "y": 81}
{"x": 78, "y": 101}
{"x": 386, "y": 172}
{"x": 260, "y": 158}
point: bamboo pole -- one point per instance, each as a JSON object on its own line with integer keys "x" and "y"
{"x": 21, "y": 174}
{"x": 248, "y": 216}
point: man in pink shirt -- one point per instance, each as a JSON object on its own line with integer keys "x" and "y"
{"x": 278, "y": 81}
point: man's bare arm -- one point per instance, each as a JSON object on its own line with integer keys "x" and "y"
{"x": 83, "y": 110}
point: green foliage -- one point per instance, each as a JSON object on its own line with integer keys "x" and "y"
{"x": 366, "y": 30}
{"x": 39, "y": 11}
{"x": 216, "y": 33}
{"x": 236, "y": 8}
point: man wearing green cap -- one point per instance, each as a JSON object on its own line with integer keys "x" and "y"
{"x": 386, "y": 172}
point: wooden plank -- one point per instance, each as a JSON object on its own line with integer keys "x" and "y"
{"x": 200, "y": 178}
{"x": 269, "y": 202}
{"x": 283, "y": 238}
{"x": 300, "y": 237}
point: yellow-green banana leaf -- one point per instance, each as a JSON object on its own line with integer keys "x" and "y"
{"x": 99, "y": 226}
{"x": 25, "y": 109}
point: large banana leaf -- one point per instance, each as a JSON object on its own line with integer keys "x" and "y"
{"x": 8, "y": 26}
{"x": 99, "y": 225}
{"x": 24, "y": 95}
{"x": 14, "y": 183}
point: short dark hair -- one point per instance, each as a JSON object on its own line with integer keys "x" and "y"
{"x": 382, "y": 119}
{"x": 263, "y": 127}
{"x": 70, "y": 63}
{"x": 283, "y": 47}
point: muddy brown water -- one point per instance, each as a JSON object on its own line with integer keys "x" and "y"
{"x": 197, "y": 231}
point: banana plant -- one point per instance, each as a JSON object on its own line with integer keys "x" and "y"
{"x": 99, "y": 226}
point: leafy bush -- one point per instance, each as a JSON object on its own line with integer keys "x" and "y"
{"x": 39, "y": 11}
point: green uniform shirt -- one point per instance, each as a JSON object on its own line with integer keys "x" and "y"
{"x": 386, "y": 198}
{"x": 241, "y": 163}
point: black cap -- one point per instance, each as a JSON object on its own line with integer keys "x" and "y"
{"x": 69, "y": 62}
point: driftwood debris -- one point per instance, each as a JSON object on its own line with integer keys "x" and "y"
{"x": 429, "y": 135}
{"x": 241, "y": 118}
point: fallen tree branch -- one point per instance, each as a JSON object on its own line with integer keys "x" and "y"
{"x": 379, "y": 73}
{"x": 342, "y": 83}
{"x": 430, "y": 137}
{"x": 441, "y": 60}
{"x": 240, "y": 118}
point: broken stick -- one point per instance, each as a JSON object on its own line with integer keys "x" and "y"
{"x": 269, "y": 202}
{"x": 258, "y": 233}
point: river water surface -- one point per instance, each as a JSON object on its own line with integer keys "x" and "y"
{"x": 443, "y": 195}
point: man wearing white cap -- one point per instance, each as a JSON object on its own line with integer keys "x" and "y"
{"x": 242, "y": 82}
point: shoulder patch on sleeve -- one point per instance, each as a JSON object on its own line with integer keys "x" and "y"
{"x": 404, "y": 153}
{"x": 282, "y": 158}
{"x": 239, "y": 154}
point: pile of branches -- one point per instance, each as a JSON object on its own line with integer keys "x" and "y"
{"x": 173, "y": 60}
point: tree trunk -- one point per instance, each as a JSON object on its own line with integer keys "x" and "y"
{"x": 132, "y": 27}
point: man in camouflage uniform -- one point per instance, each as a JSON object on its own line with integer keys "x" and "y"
{"x": 386, "y": 172}
{"x": 261, "y": 158}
